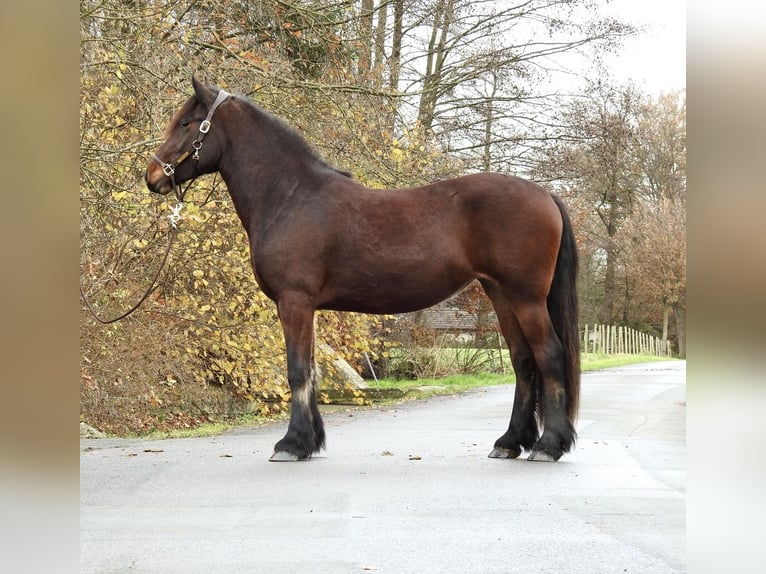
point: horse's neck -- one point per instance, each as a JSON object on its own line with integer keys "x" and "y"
{"x": 266, "y": 176}
{"x": 260, "y": 193}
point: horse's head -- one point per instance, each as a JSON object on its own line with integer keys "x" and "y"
{"x": 183, "y": 156}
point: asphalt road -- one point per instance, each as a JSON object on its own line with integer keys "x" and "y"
{"x": 404, "y": 489}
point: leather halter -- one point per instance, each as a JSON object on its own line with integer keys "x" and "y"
{"x": 169, "y": 169}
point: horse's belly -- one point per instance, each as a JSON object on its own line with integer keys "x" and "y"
{"x": 392, "y": 293}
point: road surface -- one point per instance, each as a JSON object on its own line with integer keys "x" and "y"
{"x": 404, "y": 489}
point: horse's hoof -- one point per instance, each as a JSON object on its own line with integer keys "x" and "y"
{"x": 284, "y": 456}
{"x": 500, "y": 452}
{"x": 542, "y": 456}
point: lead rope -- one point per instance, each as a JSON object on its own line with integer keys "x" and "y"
{"x": 174, "y": 217}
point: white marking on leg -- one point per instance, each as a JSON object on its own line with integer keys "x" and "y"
{"x": 305, "y": 393}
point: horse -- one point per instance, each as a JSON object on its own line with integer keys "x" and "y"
{"x": 321, "y": 240}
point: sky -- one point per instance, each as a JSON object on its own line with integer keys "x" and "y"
{"x": 656, "y": 59}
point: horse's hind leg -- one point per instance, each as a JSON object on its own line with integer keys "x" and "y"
{"x": 558, "y": 432}
{"x": 522, "y": 430}
{"x": 305, "y": 432}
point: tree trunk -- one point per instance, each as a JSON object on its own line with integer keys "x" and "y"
{"x": 365, "y": 40}
{"x": 489, "y": 120}
{"x": 610, "y": 275}
{"x": 680, "y": 315}
{"x": 437, "y": 53}
{"x": 380, "y": 41}
{"x": 396, "y": 46}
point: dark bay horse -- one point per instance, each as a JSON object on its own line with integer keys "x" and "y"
{"x": 320, "y": 240}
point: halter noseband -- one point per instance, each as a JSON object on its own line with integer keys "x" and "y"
{"x": 169, "y": 169}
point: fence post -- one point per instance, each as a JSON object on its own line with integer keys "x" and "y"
{"x": 613, "y": 339}
{"x": 585, "y": 338}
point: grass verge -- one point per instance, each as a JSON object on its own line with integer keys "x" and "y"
{"x": 391, "y": 391}
{"x": 460, "y": 383}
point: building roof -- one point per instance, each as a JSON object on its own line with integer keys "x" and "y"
{"x": 448, "y": 319}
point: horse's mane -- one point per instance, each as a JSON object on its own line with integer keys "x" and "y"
{"x": 284, "y": 132}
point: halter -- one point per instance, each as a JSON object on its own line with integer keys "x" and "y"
{"x": 169, "y": 169}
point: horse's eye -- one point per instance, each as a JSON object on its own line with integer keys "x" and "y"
{"x": 184, "y": 123}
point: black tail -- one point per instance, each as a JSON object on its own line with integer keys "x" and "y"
{"x": 563, "y": 309}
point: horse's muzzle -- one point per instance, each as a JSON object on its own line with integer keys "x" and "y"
{"x": 156, "y": 180}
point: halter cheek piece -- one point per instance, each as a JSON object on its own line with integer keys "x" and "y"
{"x": 169, "y": 169}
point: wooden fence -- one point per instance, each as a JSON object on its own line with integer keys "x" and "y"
{"x": 612, "y": 339}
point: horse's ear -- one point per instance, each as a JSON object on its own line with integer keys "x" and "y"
{"x": 204, "y": 93}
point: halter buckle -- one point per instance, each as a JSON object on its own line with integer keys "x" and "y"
{"x": 204, "y": 127}
{"x": 168, "y": 169}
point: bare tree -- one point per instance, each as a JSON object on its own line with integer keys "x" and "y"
{"x": 653, "y": 243}
{"x": 653, "y": 248}
{"x": 380, "y": 40}
{"x": 455, "y": 48}
{"x": 620, "y": 157}
{"x": 396, "y": 46}
{"x": 595, "y": 156}
{"x": 365, "y": 39}
{"x": 436, "y": 57}
{"x": 661, "y": 151}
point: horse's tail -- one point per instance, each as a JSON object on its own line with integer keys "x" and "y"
{"x": 563, "y": 310}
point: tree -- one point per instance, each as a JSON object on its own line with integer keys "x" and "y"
{"x": 653, "y": 247}
{"x": 507, "y": 46}
{"x": 365, "y": 39}
{"x": 396, "y": 45}
{"x": 436, "y": 56}
{"x": 661, "y": 149}
{"x": 620, "y": 160}
{"x": 594, "y": 155}
{"x": 654, "y": 241}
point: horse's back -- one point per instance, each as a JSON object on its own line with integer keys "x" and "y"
{"x": 410, "y": 248}
{"x": 485, "y": 214}
{"x": 499, "y": 191}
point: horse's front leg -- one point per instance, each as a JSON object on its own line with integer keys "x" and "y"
{"x": 305, "y": 433}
